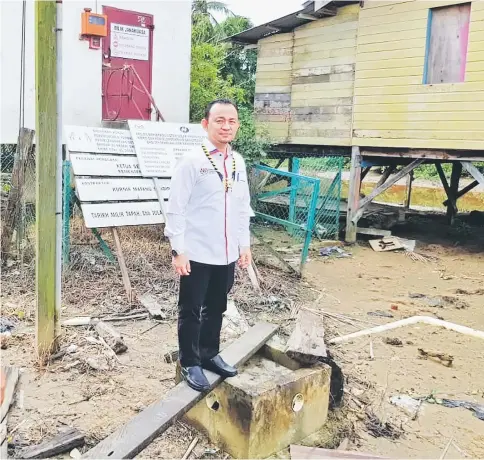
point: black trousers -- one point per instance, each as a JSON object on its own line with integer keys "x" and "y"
{"x": 201, "y": 304}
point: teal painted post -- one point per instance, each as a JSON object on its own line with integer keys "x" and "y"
{"x": 294, "y": 164}
{"x": 66, "y": 219}
{"x": 338, "y": 197}
{"x": 310, "y": 224}
{"x": 104, "y": 246}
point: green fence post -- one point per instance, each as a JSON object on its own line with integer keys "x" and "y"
{"x": 294, "y": 168}
{"x": 66, "y": 219}
{"x": 310, "y": 224}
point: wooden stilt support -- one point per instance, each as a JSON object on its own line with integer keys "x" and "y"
{"x": 462, "y": 192}
{"x": 454, "y": 189}
{"x": 473, "y": 171}
{"x": 408, "y": 198}
{"x": 353, "y": 195}
{"x": 122, "y": 264}
{"x": 451, "y": 200}
{"x": 47, "y": 320}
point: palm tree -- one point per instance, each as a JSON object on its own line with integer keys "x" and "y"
{"x": 207, "y": 8}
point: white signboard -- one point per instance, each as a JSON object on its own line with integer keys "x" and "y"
{"x": 99, "y": 140}
{"x": 130, "y": 42}
{"x": 159, "y": 145}
{"x": 125, "y": 189}
{"x": 85, "y": 164}
{"x": 99, "y": 215}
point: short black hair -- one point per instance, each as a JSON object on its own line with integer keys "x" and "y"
{"x": 219, "y": 101}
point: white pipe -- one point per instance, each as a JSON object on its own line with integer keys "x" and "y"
{"x": 58, "y": 172}
{"x": 405, "y": 322}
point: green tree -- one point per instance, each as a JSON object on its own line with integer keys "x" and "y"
{"x": 208, "y": 8}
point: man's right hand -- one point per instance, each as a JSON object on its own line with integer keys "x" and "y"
{"x": 182, "y": 265}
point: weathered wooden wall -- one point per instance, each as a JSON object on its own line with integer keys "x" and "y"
{"x": 273, "y": 85}
{"x": 392, "y": 106}
{"x": 323, "y": 73}
{"x": 305, "y": 80}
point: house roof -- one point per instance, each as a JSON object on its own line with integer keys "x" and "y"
{"x": 311, "y": 10}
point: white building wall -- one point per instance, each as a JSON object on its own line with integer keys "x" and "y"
{"x": 82, "y": 75}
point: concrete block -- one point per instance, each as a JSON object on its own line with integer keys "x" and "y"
{"x": 275, "y": 350}
{"x": 264, "y": 409}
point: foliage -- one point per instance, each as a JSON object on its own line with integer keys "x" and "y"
{"x": 251, "y": 144}
{"x": 222, "y": 70}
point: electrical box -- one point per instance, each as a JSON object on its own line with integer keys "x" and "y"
{"x": 93, "y": 24}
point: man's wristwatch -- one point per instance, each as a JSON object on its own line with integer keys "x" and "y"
{"x": 174, "y": 253}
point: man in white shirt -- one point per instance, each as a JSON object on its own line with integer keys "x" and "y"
{"x": 208, "y": 216}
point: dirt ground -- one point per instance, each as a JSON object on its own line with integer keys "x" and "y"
{"x": 70, "y": 392}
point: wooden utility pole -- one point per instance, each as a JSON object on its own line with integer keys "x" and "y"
{"x": 46, "y": 137}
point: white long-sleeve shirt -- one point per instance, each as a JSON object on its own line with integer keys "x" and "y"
{"x": 204, "y": 222}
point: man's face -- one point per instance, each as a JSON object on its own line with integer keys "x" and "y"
{"x": 222, "y": 124}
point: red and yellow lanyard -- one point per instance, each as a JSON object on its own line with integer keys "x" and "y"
{"x": 227, "y": 183}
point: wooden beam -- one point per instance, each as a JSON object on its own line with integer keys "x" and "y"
{"x": 408, "y": 191}
{"x": 46, "y": 141}
{"x": 15, "y": 195}
{"x": 451, "y": 200}
{"x": 63, "y": 442}
{"x": 473, "y": 171}
{"x": 306, "y": 343}
{"x": 453, "y": 189}
{"x": 122, "y": 265}
{"x": 353, "y": 195}
{"x": 402, "y": 173}
{"x": 443, "y": 155}
{"x": 365, "y": 172}
{"x": 462, "y": 192}
{"x": 131, "y": 438}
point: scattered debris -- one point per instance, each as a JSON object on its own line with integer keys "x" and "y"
{"x": 442, "y": 358}
{"x": 6, "y": 325}
{"x": 383, "y": 314}
{"x": 63, "y": 442}
{"x": 465, "y": 292}
{"x": 390, "y": 243}
{"x": 440, "y": 301}
{"x": 477, "y": 409}
{"x": 334, "y": 251}
{"x": 171, "y": 356}
{"x": 9, "y": 380}
{"x": 190, "y": 448}
{"x": 410, "y": 405}
{"x": 309, "y": 453}
{"x": 378, "y": 429}
{"x": 306, "y": 343}
{"x": 69, "y": 350}
{"x": 111, "y": 336}
{"x": 395, "y": 341}
{"x": 154, "y": 308}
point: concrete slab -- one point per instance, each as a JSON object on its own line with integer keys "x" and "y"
{"x": 264, "y": 409}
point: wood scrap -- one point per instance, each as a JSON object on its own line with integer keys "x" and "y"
{"x": 171, "y": 356}
{"x": 133, "y": 437}
{"x": 154, "y": 308}
{"x": 11, "y": 376}
{"x": 308, "y": 453}
{"x": 63, "y": 442}
{"x": 111, "y": 336}
{"x": 395, "y": 341}
{"x": 442, "y": 358}
{"x": 306, "y": 343}
{"x": 190, "y": 448}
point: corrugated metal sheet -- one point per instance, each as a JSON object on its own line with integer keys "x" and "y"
{"x": 289, "y": 22}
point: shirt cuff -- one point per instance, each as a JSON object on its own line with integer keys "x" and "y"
{"x": 178, "y": 243}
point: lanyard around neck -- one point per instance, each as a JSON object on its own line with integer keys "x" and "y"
{"x": 225, "y": 180}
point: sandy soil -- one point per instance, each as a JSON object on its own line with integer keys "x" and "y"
{"x": 98, "y": 401}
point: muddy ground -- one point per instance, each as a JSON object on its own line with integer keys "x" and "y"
{"x": 448, "y": 284}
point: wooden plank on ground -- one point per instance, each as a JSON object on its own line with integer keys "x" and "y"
{"x": 11, "y": 376}
{"x": 306, "y": 343}
{"x": 122, "y": 265}
{"x": 111, "y": 336}
{"x": 151, "y": 304}
{"x": 131, "y": 438}
{"x": 63, "y": 442}
{"x": 309, "y": 453}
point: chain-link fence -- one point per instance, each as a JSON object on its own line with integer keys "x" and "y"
{"x": 292, "y": 207}
{"x": 18, "y": 195}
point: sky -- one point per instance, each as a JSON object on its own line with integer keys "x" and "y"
{"x": 261, "y": 11}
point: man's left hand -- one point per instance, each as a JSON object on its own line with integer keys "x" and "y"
{"x": 245, "y": 258}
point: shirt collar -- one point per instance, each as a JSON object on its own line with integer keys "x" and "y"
{"x": 213, "y": 150}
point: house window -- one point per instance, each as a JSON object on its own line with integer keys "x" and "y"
{"x": 447, "y": 39}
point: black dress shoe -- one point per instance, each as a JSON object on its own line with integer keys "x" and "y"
{"x": 219, "y": 366}
{"x": 195, "y": 378}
